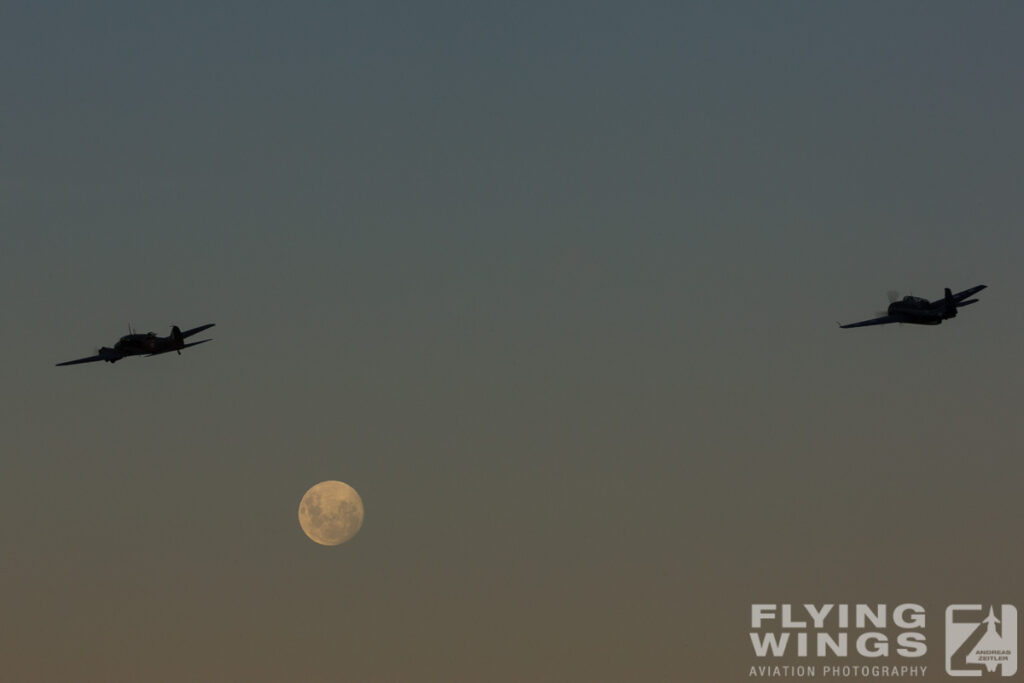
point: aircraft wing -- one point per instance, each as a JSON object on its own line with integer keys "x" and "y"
{"x": 960, "y": 296}
{"x": 90, "y": 359}
{"x": 194, "y": 330}
{"x": 885, "y": 319}
{"x": 201, "y": 341}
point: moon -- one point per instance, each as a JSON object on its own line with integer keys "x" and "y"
{"x": 331, "y": 512}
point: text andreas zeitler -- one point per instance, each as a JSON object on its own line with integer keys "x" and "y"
{"x": 831, "y": 632}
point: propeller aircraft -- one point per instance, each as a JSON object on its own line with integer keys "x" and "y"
{"x": 918, "y": 311}
{"x": 148, "y": 344}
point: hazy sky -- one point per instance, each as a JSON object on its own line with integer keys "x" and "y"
{"x": 552, "y": 285}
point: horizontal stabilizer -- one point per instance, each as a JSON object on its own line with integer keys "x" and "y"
{"x": 188, "y": 333}
{"x": 960, "y": 296}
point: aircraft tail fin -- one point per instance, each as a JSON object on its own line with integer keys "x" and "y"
{"x": 950, "y": 304}
{"x": 179, "y": 340}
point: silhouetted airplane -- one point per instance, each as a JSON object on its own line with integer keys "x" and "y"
{"x": 144, "y": 345}
{"x": 918, "y": 311}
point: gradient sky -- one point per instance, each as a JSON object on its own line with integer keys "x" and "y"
{"x": 552, "y": 285}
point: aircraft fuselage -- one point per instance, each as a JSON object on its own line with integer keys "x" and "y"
{"x": 918, "y": 311}
{"x": 135, "y": 344}
{"x": 143, "y": 345}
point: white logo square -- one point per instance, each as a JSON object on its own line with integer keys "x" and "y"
{"x": 980, "y": 641}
